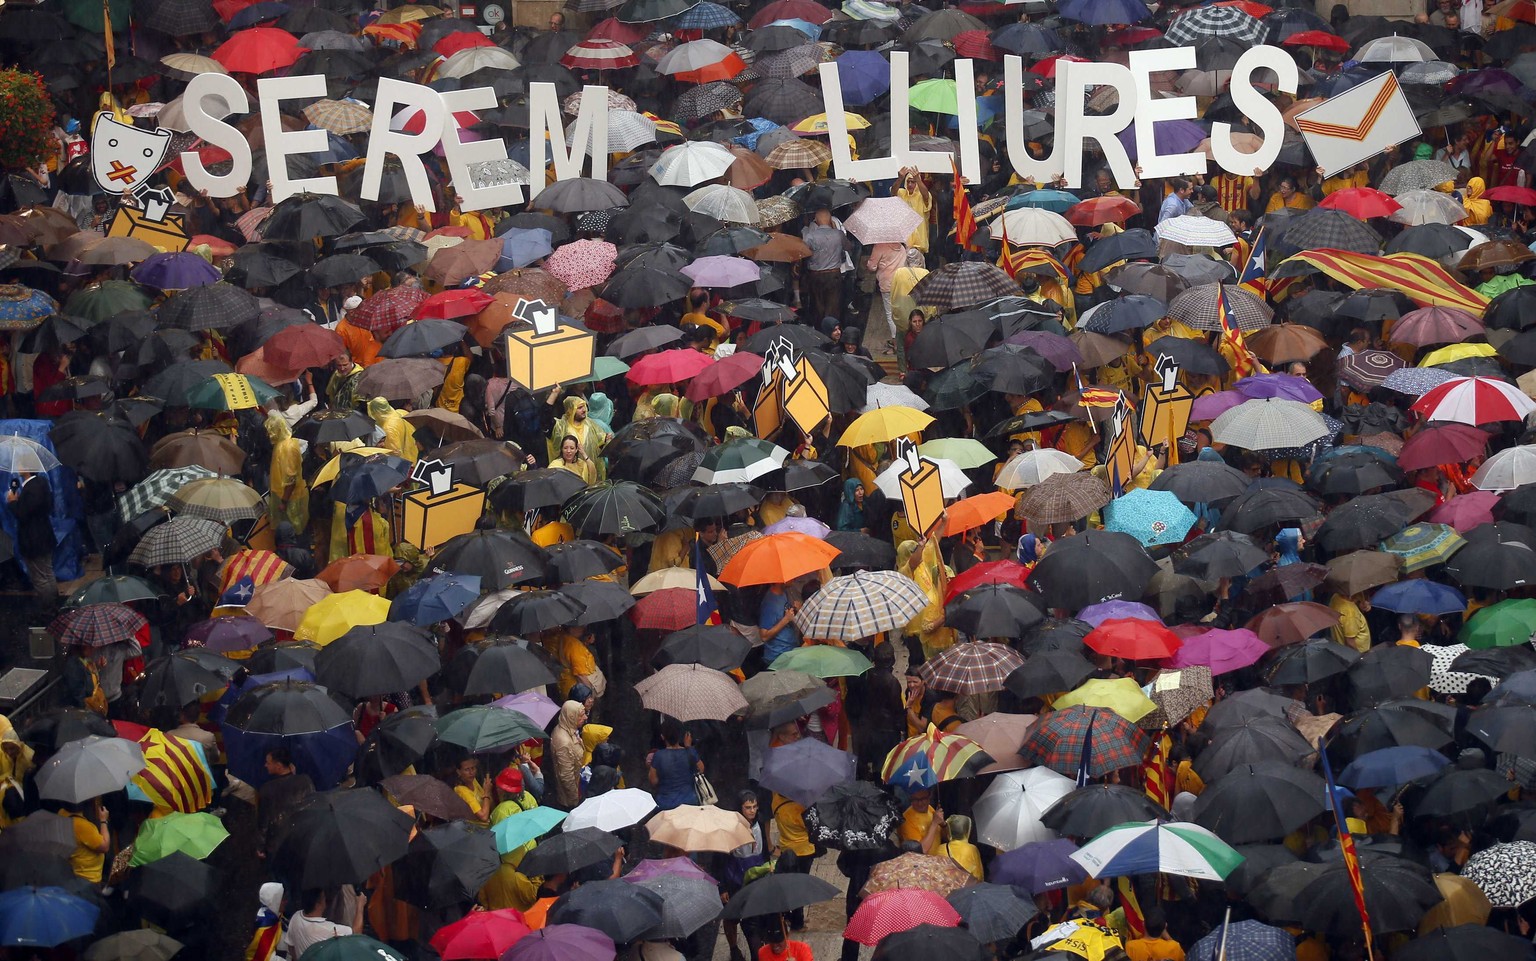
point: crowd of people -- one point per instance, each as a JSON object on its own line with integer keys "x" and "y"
{"x": 1220, "y": 646}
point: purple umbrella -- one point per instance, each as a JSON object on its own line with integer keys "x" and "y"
{"x": 563, "y": 942}
{"x": 530, "y": 704}
{"x": 721, "y": 271}
{"x": 1212, "y": 406}
{"x": 799, "y": 525}
{"x": 1487, "y": 80}
{"x": 225, "y": 634}
{"x": 1058, "y": 351}
{"x": 1283, "y": 386}
{"x": 1097, "y": 614}
{"x": 1219, "y": 650}
{"x": 175, "y": 271}
{"x": 1036, "y": 867}
{"x": 1171, "y": 136}
{"x": 666, "y": 868}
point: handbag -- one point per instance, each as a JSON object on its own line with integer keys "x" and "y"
{"x": 704, "y": 789}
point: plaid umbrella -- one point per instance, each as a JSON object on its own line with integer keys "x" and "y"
{"x": 798, "y": 154}
{"x": 178, "y": 541}
{"x": 96, "y": 625}
{"x": 1063, "y": 497}
{"x": 583, "y": 263}
{"x": 1207, "y": 23}
{"x": 927, "y": 872}
{"x": 1323, "y": 228}
{"x": 708, "y": 16}
{"x": 211, "y": 307}
{"x": 964, "y": 284}
{"x": 1197, "y": 307}
{"x": 1060, "y": 738}
{"x": 1424, "y": 545}
{"x": 948, "y": 756}
{"x": 386, "y": 312}
{"x": 860, "y": 605}
{"x": 974, "y": 667}
{"x": 1416, "y": 175}
{"x": 1177, "y": 694}
{"x": 158, "y": 488}
{"x": 340, "y": 117}
{"x": 690, "y": 692}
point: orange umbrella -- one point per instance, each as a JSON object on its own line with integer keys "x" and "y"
{"x": 778, "y": 559}
{"x": 359, "y": 572}
{"x": 972, "y": 512}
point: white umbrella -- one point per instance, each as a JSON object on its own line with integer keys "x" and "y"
{"x": 1510, "y": 468}
{"x": 951, "y": 477}
{"x": 1008, "y": 812}
{"x": 883, "y": 220}
{"x": 891, "y": 395}
{"x": 1033, "y": 225}
{"x": 1428, "y": 207}
{"x": 469, "y": 60}
{"x": 20, "y": 455}
{"x": 89, "y": 768}
{"x": 692, "y": 163}
{"x": 695, "y": 55}
{"x": 627, "y": 130}
{"x": 1269, "y": 424}
{"x": 1034, "y": 466}
{"x": 1194, "y": 232}
{"x": 721, "y": 202}
{"x": 1395, "y": 49}
{"x": 611, "y": 811}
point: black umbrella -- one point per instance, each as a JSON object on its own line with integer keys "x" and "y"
{"x": 340, "y": 269}
{"x": 1222, "y": 554}
{"x": 446, "y": 865}
{"x": 1134, "y": 244}
{"x": 1090, "y": 810}
{"x": 570, "y": 851}
{"x": 992, "y": 912}
{"x": 642, "y": 340}
{"x": 1258, "y": 860}
{"x": 778, "y": 893}
{"x": 341, "y": 837}
{"x": 994, "y": 610}
{"x": 783, "y": 101}
{"x": 55, "y": 331}
{"x": 1352, "y": 472}
{"x": 177, "y": 680}
{"x": 1250, "y": 742}
{"x": 361, "y": 479}
{"x": 540, "y": 487}
{"x": 260, "y": 265}
{"x": 286, "y": 707}
{"x": 1388, "y": 671}
{"x": 1507, "y": 728}
{"x": 479, "y": 460}
{"x": 1465, "y": 942}
{"x": 950, "y": 340}
{"x": 173, "y": 383}
{"x": 601, "y": 600}
{"x": 731, "y": 239}
{"x": 623, "y": 507}
{"x": 1012, "y": 369}
{"x": 1363, "y": 522}
{"x": 1456, "y": 791}
{"x": 1310, "y": 662}
{"x": 1192, "y": 356}
{"x": 1055, "y": 634}
{"x": 1093, "y": 566}
{"x": 712, "y": 645}
{"x": 423, "y": 338}
{"x": 640, "y": 460}
{"x": 1125, "y": 313}
{"x": 1497, "y": 662}
{"x": 580, "y": 559}
{"x": 802, "y": 338}
{"x": 303, "y": 217}
{"x": 1263, "y": 507}
{"x": 507, "y": 669}
{"x": 402, "y": 739}
{"x": 931, "y": 941}
{"x": 717, "y": 500}
{"x": 329, "y": 426}
{"x": 174, "y": 889}
{"x": 1260, "y": 802}
{"x": 1397, "y": 893}
{"x": 1049, "y": 672}
{"x": 531, "y": 612}
{"x": 217, "y": 306}
{"x": 98, "y": 449}
{"x": 619, "y": 909}
{"x": 860, "y": 551}
{"x": 1404, "y": 722}
{"x": 1496, "y": 557}
{"x": 500, "y": 558}
{"x": 375, "y": 659}
{"x": 852, "y": 816}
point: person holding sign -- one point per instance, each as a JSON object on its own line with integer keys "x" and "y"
{"x": 578, "y": 426}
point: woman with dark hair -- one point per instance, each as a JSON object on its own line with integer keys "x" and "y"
{"x": 671, "y": 769}
{"x": 742, "y": 860}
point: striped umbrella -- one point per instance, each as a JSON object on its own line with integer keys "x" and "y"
{"x": 1474, "y": 400}
{"x": 599, "y": 55}
{"x": 176, "y": 776}
{"x": 860, "y": 605}
{"x": 950, "y": 756}
{"x": 158, "y": 488}
{"x": 1147, "y": 847}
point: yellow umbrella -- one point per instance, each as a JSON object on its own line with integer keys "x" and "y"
{"x": 1457, "y": 352}
{"x": 883, "y": 424}
{"x": 332, "y": 467}
{"x": 336, "y": 614}
{"x": 669, "y": 577}
{"x": 409, "y": 13}
{"x": 1088, "y": 941}
{"x": 1121, "y": 695}
{"x": 818, "y": 123}
{"x": 1465, "y": 903}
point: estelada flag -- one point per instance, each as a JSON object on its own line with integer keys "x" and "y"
{"x": 965, "y": 221}
{"x": 1243, "y": 363}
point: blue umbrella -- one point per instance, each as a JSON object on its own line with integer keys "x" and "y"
{"x": 432, "y": 600}
{"x": 1170, "y": 136}
{"x": 1103, "y": 12}
{"x": 515, "y": 831}
{"x": 257, "y": 13}
{"x": 1419, "y": 596}
{"x": 1152, "y": 517}
{"x": 806, "y": 27}
{"x": 759, "y": 127}
{"x": 707, "y": 16}
{"x": 521, "y": 246}
{"x": 1248, "y": 940}
{"x": 22, "y": 308}
{"x": 1058, "y": 201}
{"x": 175, "y": 271}
{"x": 864, "y": 75}
{"x": 1391, "y": 766}
{"x": 324, "y": 755}
{"x": 988, "y": 109}
{"x": 44, "y": 917}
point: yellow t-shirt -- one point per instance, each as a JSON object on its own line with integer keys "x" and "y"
{"x": 475, "y": 797}
{"x": 1352, "y": 630}
{"x": 790, "y": 818}
{"x": 575, "y": 659}
{"x": 915, "y": 824}
{"x": 1154, "y": 949}
{"x": 86, "y": 861}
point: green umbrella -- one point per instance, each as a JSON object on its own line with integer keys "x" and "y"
{"x": 935, "y": 96}
{"x": 965, "y": 452}
{"x": 517, "y": 830}
{"x": 106, "y": 299}
{"x": 230, "y": 392}
{"x": 87, "y": 14}
{"x": 486, "y": 728}
{"x": 603, "y": 367}
{"x": 1508, "y": 623}
{"x": 823, "y": 660}
{"x": 353, "y": 947}
{"x": 195, "y": 835}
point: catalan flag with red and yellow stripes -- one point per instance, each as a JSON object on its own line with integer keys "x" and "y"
{"x": 1157, "y": 779}
{"x": 176, "y": 777}
{"x": 965, "y": 221}
{"x": 1008, "y": 261}
{"x": 1421, "y": 279}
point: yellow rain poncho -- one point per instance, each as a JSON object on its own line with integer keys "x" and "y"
{"x": 290, "y": 496}
{"x": 399, "y": 437}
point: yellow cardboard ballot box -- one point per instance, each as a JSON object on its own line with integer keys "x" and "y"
{"x": 805, "y": 397}
{"x": 431, "y": 519}
{"x": 551, "y": 353}
{"x": 922, "y": 492}
{"x": 768, "y": 411}
{"x": 170, "y": 234}
{"x": 1165, "y": 407}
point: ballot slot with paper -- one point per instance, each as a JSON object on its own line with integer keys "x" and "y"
{"x": 123, "y": 159}
{"x": 441, "y": 508}
{"x": 1120, "y": 452}
{"x": 922, "y": 491}
{"x": 1165, "y": 407}
{"x": 550, "y": 353}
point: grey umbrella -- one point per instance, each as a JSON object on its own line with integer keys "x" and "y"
{"x": 1417, "y": 175}
{"x": 580, "y": 194}
{"x": 687, "y": 905}
{"x": 89, "y": 768}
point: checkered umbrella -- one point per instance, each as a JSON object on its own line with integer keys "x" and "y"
{"x": 799, "y": 154}
{"x": 788, "y": 64}
{"x": 975, "y": 667}
{"x": 708, "y": 16}
{"x": 690, "y": 692}
{"x": 1269, "y": 424}
{"x": 211, "y": 307}
{"x": 582, "y": 263}
{"x": 706, "y": 99}
{"x": 948, "y": 756}
{"x": 96, "y": 625}
{"x": 341, "y": 117}
{"x": 1196, "y": 231}
{"x": 861, "y": 605}
{"x": 158, "y": 488}
{"x": 1209, "y": 23}
{"x": 1058, "y": 741}
{"x": 1197, "y": 307}
{"x": 1247, "y": 940}
{"x": 964, "y": 284}
{"x": 1416, "y": 175}
{"x": 180, "y": 540}
{"x": 1063, "y": 497}
{"x": 386, "y": 312}
{"x": 181, "y": 18}
{"x": 1324, "y": 228}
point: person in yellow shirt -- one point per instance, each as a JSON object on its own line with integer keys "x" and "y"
{"x": 1287, "y": 197}
{"x": 921, "y": 821}
{"x": 399, "y": 435}
{"x": 92, "y": 839}
{"x": 572, "y": 648}
{"x": 472, "y": 790}
{"x": 914, "y": 190}
{"x": 1156, "y": 946}
{"x": 1352, "y": 630}
{"x": 959, "y": 847}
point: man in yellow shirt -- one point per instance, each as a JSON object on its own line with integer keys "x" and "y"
{"x": 1352, "y": 630}
{"x": 1156, "y": 946}
{"x": 921, "y": 821}
{"x": 92, "y": 840}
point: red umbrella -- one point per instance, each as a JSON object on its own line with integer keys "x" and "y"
{"x": 1257, "y": 11}
{"x": 259, "y": 50}
{"x": 989, "y": 572}
{"x": 480, "y": 934}
{"x": 1524, "y": 196}
{"x": 791, "y": 10}
{"x": 303, "y": 346}
{"x": 668, "y": 367}
{"x": 452, "y": 304}
{"x": 888, "y": 912}
{"x": 975, "y": 44}
{"x": 462, "y": 40}
{"x": 1130, "y": 36}
{"x": 1445, "y": 443}
{"x": 600, "y": 55}
{"x": 1465, "y": 511}
{"x": 1047, "y": 67}
{"x": 612, "y": 29}
{"x": 1362, "y": 203}
{"x": 669, "y": 609}
{"x": 1474, "y": 400}
{"x": 1133, "y": 639}
{"x": 1436, "y": 325}
{"x": 384, "y": 313}
{"x": 1317, "y": 38}
{"x": 725, "y": 375}
{"x": 1097, "y": 211}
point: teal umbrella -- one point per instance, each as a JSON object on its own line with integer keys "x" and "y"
{"x": 1152, "y": 517}
{"x": 486, "y": 728}
{"x": 1057, "y": 201}
{"x": 517, "y": 830}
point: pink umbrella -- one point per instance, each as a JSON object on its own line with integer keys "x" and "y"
{"x": 727, "y": 374}
{"x": 1212, "y": 406}
{"x": 1219, "y": 650}
{"x": 721, "y": 271}
{"x": 530, "y": 704}
{"x": 1465, "y": 511}
{"x": 668, "y": 367}
{"x": 883, "y": 220}
{"x": 584, "y": 263}
{"x": 799, "y": 525}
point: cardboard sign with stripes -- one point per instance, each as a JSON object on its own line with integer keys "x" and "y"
{"x": 1358, "y": 124}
